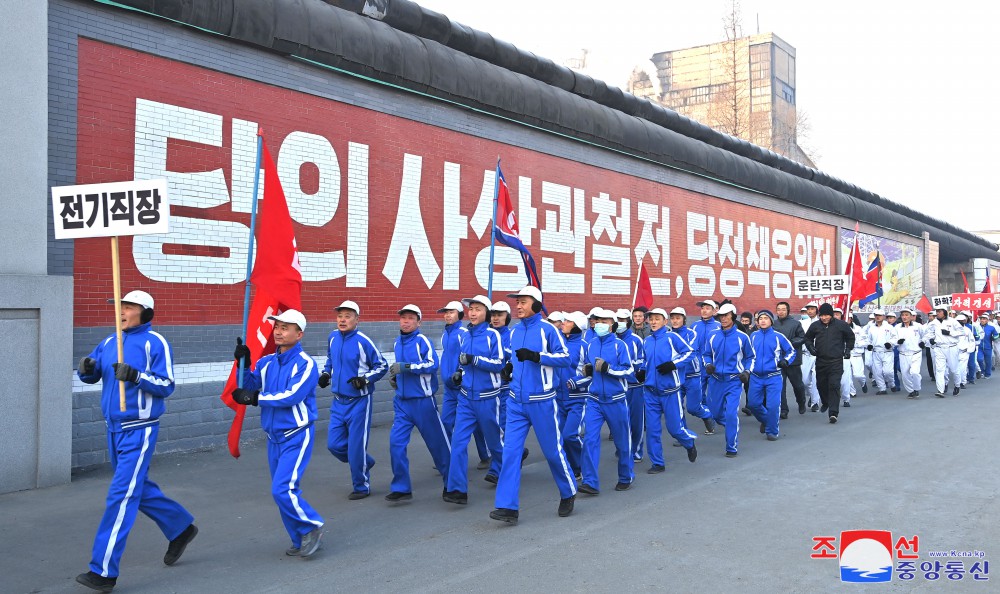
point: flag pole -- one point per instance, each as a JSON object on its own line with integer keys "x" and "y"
{"x": 117, "y": 282}
{"x": 253, "y": 226}
{"x": 635, "y": 293}
{"x": 493, "y": 227}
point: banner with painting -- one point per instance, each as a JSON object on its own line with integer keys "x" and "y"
{"x": 902, "y": 268}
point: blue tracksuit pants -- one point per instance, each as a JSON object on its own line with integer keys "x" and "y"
{"x": 347, "y": 440}
{"x": 542, "y": 415}
{"x": 616, "y": 414}
{"x": 636, "y": 419}
{"x": 130, "y": 492}
{"x": 724, "y": 402}
{"x": 691, "y": 389}
{"x": 764, "y": 401}
{"x": 288, "y": 461}
{"x": 481, "y": 415}
{"x": 421, "y": 413}
{"x": 449, "y": 403}
{"x": 985, "y": 358}
{"x": 973, "y": 359}
{"x": 665, "y": 408}
{"x": 571, "y": 414}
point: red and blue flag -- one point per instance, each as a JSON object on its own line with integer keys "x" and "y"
{"x": 505, "y": 229}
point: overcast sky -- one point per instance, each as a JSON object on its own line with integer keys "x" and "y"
{"x": 903, "y": 98}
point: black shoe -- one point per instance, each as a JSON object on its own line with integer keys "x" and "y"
{"x": 293, "y": 551}
{"x": 585, "y": 488}
{"x": 97, "y": 582}
{"x": 655, "y": 469}
{"x": 815, "y": 408}
{"x": 456, "y": 497}
{"x": 398, "y": 496}
{"x": 783, "y": 415}
{"x": 772, "y": 437}
{"x": 623, "y": 486}
{"x": 484, "y": 464}
{"x": 955, "y": 392}
{"x": 731, "y": 454}
{"x": 676, "y": 444}
{"x": 916, "y": 394}
{"x": 846, "y": 404}
{"x": 524, "y": 456}
{"x": 833, "y": 419}
{"x": 566, "y": 506}
{"x": 939, "y": 394}
{"x": 762, "y": 427}
{"x": 864, "y": 387}
{"x": 490, "y": 478}
{"x": 176, "y": 547}
{"x": 310, "y": 543}
{"x": 971, "y": 383}
{"x": 911, "y": 395}
{"x": 504, "y": 515}
{"x": 895, "y": 389}
{"x": 824, "y": 408}
{"x": 746, "y": 411}
{"x": 578, "y": 476}
{"x": 710, "y": 426}
{"x": 355, "y": 495}
{"x": 979, "y": 375}
{"x": 692, "y": 453}
{"x": 881, "y": 393}
{"x": 802, "y": 408}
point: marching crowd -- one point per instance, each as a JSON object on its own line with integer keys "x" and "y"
{"x": 563, "y": 374}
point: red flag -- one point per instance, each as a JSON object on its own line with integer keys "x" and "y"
{"x": 925, "y": 305}
{"x": 643, "y": 290}
{"x": 965, "y": 282}
{"x": 277, "y": 280}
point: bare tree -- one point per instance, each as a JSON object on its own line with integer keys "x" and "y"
{"x": 729, "y": 109}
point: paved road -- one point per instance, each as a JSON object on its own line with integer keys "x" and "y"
{"x": 927, "y": 467}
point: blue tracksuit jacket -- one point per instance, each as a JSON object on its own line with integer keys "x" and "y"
{"x": 659, "y": 347}
{"x": 450, "y": 348}
{"x": 287, "y": 384}
{"x": 536, "y": 381}
{"x": 612, "y": 384}
{"x": 574, "y": 373}
{"x": 417, "y": 378}
{"x": 729, "y": 350}
{"x": 770, "y": 347}
{"x": 349, "y": 355}
{"x": 692, "y": 365}
{"x": 635, "y": 353}
{"x": 481, "y": 376}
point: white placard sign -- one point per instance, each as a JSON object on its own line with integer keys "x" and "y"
{"x": 821, "y": 285}
{"x": 113, "y": 209}
{"x": 941, "y": 301}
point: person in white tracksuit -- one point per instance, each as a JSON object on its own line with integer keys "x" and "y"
{"x": 867, "y": 356}
{"x": 911, "y": 351}
{"x": 855, "y": 369}
{"x": 942, "y": 334}
{"x": 881, "y": 338}
{"x": 809, "y": 361}
{"x": 966, "y": 343}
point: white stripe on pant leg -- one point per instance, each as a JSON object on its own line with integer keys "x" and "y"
{"x": 681, "y": 412}
{"x": 113, "y": 538}
{"x": 364, "y": 443}
{"x": 295, "y": 478}
{"x": 559, "y": 447}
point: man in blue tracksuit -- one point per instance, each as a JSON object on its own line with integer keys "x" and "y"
{"x": 480, "y": 361}
{"x": 572, "y": 391}
{"x": 691, "y": 371}
{"x": 636, "y": 406}
{"x": 453, "y": 329}
{"x": 148, "y": 374}
{"x": 702, "y": 329}
{"x": 500, "y": 320}
{"x": 353, "y": 365}
{"x": 609, "y": 366}
{"x": 415, "y": 377}
{"x": 985, "y": 354}
{"x": 531, "y": 402}
{"x": 283, "y": 385}
{"x": 774, "y": 353}
{"x": 728, "y": 358}
{"x": 666, "y": 354}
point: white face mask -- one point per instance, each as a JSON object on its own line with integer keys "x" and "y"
{"x": 622, "y": 327}
{"x": 602, "y": 329}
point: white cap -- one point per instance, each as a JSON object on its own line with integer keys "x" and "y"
{"x": 578, "y": 318}
{"x": 708, "y": 302}
{"x": 803, "y": 308}
{"x": 600, "y": 312}
{"x": 623, "y": 314}
{"x": 350, "y": 305}
{"x": 871, "y": 316}
{"x": 480, "y": 299}
{"x": 593, "y": 312}
{"x": 291, "y": 316}
{"x": 528, "y": 291}
{"x": 412, "y": 309}
{"x": 678, "y": 310}
{"x": 812, "y": 304}
{"x": 727, "y": 308}
{"x": 658, "y": 311}
{"x": 891, "y": 314}
{"x": 961, "y": 317}
{"x": 501, "y": 306}
{"x": 556, "y": 316}
{"x": 452, "y": 306}
{"x": 137, "y": 297}
{"x": 879, "y": 312}
{"x": 984, "y": 315}
{"x": 906, "y": 310}
{"x": 837, "y": 310}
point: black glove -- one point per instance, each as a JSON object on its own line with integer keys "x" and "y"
{"x": 946, "y": 331}
{"x": 359, "y": 383}
{"x": 456, "y": 378}
{"x": 640, "y": 376}
{"x": 242, "y": 352}
{"x": 244, "y": 396}
{"x": 395, "y": 368}
{"x": 784, "y": 364}
{"x": 811, "y": 349}
{"x": 933, "y": 342}
{"x": 888, "y": 346}
{"x": 524, "y": 354}
{"x": 588, "y": 370}
{"x": 126, "y": 373}
{"x": 393, "y": 383}
{"x": 86, "y": 365}
{"x": 464, "y": 359}
{"x": 921, "y": 344}
{"x": 666, "y": 367}
{"x": 507, "y": 373}
{"x": 710, "y": 369}
{"x": 324, "y": 380}
{"x": 847, "y": 356}
{"x": 601, "y": 365}
{"x": 744, "y": 376}
{"x": 901, "y": 341}
{"x": 871, "y": 347}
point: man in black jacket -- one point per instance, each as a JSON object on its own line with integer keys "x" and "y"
{"x": 830, "y": 341}
{"x": 792, "y": 330}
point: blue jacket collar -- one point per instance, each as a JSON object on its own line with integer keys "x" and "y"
{"x": 137, "y": 329}
{"x": 287, "y": 354}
